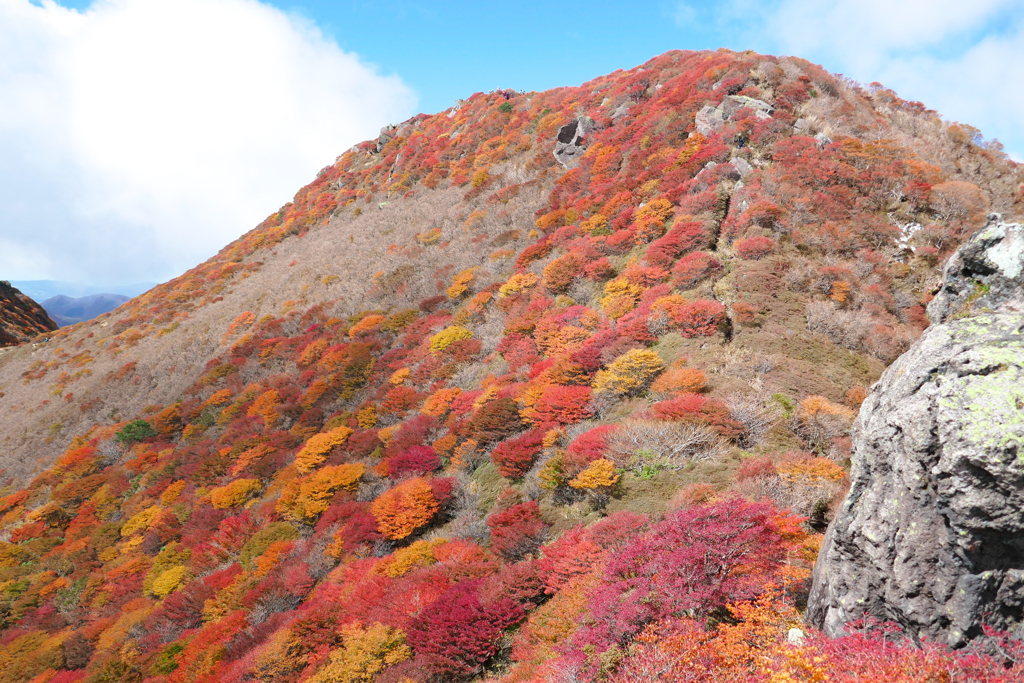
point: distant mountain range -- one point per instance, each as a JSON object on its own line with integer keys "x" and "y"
{"x": 41, "y": 290}
{"x": 68, "y": 310}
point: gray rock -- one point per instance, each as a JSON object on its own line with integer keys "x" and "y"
{"x": 387, "y": 134}
{"x": 733, "y": 103}
{"x": 707, "y": 167}
{"x": 742, "y": 166}
{"x": 621, "y": 110}
{"x": 569, "y": 147}
{"x": 709, "y": 119}
{"x": 931, "y": 534}
{"x": 985, "y": 274}
{"x": 822, "y": 140}
{"x": 802, "y": 126}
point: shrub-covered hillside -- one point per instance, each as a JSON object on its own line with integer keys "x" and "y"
{"x": 21, "y": 318}
{"x": 548, "y": 386}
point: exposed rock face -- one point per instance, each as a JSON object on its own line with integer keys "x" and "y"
{"x": 21, "y": 318}
{"x": 931, "y": 534}
{"x": 570, "y": 147}
{"x": 710, "y": 119}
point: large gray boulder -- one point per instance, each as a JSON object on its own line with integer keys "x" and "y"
{"x": 570, "y": 147}
{"x": 931, "y": 534}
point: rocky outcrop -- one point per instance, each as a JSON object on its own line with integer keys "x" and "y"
{"x": 570, "y": 144}
{"x": 710, "y": 119}
{"x": 931, "y": 534}
{"x": 21, "y": 318}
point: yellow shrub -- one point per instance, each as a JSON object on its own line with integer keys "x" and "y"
{"x": 311, "y": 353}
{"x": 517, "y": 283}
{"x": 460, "y": 283}
{"x": 364, "y": 653}
{"x": 448, "y": 336}
{"x": 439, "y": 402}
{"x": 265, "y": 406}
{"x": 679, "y": 380}
{"x": 620, "y": 297}
{"x": 316, "y": 449}
{"x": 140, "y": 522}
{"x": 595, "y": 222}
{"x": 814, "y": 406}
{"x": 165, "y": 584}
{"x": 629, "y": 373}
{"x": 650, "y": 219}
{"x": 599, "y": 474}
{"x": 218, "y": 398}
{"x": 235, "y": 493}
{"x": 366, "y": 417}
{"x": 399, "y": 376}
{"x": 404, "y": 560}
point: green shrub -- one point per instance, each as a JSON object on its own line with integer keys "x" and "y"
{"x": 136, "y": 430}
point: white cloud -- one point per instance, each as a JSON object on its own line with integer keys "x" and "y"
{"x": 963, "y": 59}
{"x": 140, "y": 136}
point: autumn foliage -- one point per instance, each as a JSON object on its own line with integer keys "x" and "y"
{"x": 436, "y": 476}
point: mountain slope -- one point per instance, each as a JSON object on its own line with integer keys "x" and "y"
{"x": 666, "y": 287}
{"x": 21, "y": 318}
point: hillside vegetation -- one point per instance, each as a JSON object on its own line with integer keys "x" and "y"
{"x": 547, "y": 386}
{"x": 21, "y": 318}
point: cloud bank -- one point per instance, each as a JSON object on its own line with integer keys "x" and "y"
{"x": 140, "y": 136}
{"x": 963, "y": 59}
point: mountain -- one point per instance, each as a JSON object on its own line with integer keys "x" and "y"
{"x": 66, "y": 310}
{"x": 546, "y": 385}
{"x": 21, "y": 318}
{"x": 40, "y": 290}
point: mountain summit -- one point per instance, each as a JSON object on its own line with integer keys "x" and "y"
{"x": 546, "y": 385}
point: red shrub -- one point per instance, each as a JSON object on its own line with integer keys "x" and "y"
{"x": 685, "y": 405}
{"x": 496, "y": 420}
{"x": 456, "y": 634}
{"x": 362, "y": 443}
{"x": 517, "y": 531}
{"x": 755, "y": 468}
{"x": 573, "y": 554}
{"x": 588, "y": 447}
{"x": 700, "y": 318}
{"x": 695, "y": 561}
{"x": 416, "y": 460}
{"x": 515, "y": 457}
{"x": 683, "y": 237}
{"x": 599, "y": 270}
{"x": 564, "y": 405}
{"x": 755, "y": 247}
{"x": 695, "y": 267}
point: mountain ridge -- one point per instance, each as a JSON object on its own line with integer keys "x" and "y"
{"x": 536, "y": 328}
{"x": 21, "y": 318}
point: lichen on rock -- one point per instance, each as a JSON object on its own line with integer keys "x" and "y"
{"x": 931, "y": 534}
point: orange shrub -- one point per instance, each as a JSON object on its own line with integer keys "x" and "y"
{"x": 265, "y": 406}
{"x": 235, "y": 493}
{"x": 404, "y": 509}
{"x": 680, "y": 380}
{"x": 316, "y": 449}
{"x": 365, "y": 325}
{"x": 304, "y": 499}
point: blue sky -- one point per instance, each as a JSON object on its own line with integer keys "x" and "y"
{"x": 140, "y": 136}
